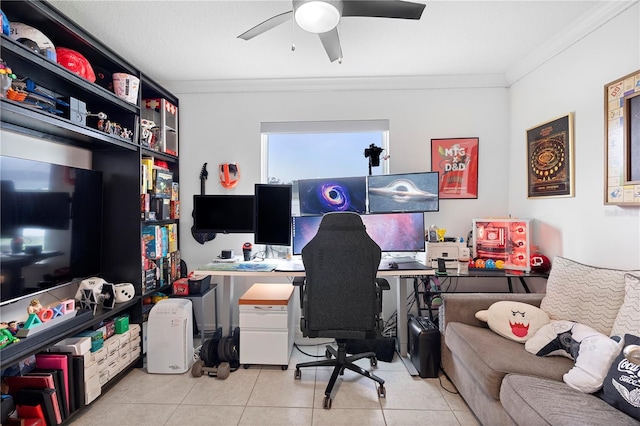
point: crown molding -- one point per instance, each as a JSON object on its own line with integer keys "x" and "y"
{"x": 587, "y": 24}
{"x": 337, "y": 84}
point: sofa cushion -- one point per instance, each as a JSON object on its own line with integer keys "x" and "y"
{"x": 622, "y": 385}
{"x": 584, "y": 294}
{"x": 628, "y": 319}
{"x": 489, "y": 357}
{"x": 536, "y": 401}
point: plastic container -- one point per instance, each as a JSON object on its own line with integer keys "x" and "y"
{"x": 126, "y": 86}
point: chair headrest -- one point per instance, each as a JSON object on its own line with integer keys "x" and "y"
{"x": 341, "y": 221}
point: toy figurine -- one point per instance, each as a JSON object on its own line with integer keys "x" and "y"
{"x": 34, "y": 307}
{"x": 441, "y": 232}
{"x": 12, "y": 326}
{"x": 5, "y": 335}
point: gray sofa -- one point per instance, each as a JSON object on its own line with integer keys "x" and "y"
{"x": 502, "y": 383}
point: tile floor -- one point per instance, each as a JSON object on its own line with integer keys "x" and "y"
{"x": 267, "y": 395}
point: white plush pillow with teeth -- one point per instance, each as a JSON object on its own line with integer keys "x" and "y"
{"x": 514, "y": 320}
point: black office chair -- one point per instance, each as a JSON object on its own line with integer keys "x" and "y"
{"x": 340, "y": 296}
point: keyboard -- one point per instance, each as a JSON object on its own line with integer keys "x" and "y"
{"x": 290, "y": 266}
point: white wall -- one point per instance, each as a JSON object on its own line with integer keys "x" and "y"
{"x": 582, "y": 227}
{"x": 225, "y": 127}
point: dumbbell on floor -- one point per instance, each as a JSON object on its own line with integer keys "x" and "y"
{"x": 222, "y": 371}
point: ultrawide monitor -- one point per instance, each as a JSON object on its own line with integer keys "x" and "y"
{"x": 226, "y": 214}
{"x": 393, "y": 232}
{"x": 318, "y": 196}
{"x": 273, "y": 214}
{"x": 407, "y": 192}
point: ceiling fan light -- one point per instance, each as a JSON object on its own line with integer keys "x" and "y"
{"x": 317, "y": 16}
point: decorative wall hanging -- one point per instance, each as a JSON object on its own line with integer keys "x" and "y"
{"x": 622, "y": 136}
{"x": 550, "y": 158}
{"x": 457, "y": 162}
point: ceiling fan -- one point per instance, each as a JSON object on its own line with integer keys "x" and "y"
{"x": 322, "y": 17}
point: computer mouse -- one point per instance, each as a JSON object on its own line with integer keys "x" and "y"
{"x": 393, "y": 265}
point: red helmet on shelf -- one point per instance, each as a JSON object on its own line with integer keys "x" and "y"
{"x": 540, "y": 263}
{"x": 75, "y": 62}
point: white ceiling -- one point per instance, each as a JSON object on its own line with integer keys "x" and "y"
{"x": 197, "y": 40}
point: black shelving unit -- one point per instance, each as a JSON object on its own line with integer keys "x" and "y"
{"x": 117, "y": 158}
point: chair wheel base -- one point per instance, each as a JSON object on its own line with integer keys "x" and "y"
{"x": 382, "y": 392}
{"x": 327, "y": 403}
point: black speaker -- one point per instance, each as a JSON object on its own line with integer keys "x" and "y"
{"x": 424, "y": 346}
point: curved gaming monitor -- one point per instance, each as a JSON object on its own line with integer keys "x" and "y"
{"x": 318, "y": 196}
{"x": 407, "y": 192}
{"x": 393, "y": 232}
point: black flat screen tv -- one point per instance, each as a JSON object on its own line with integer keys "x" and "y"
{"x": 393, "y": 232}
{"x": 50, "y": 224}
{"x": 224, "y": 214}
{"x": 407, "y": 192}
{"x": 273, "y": 214}
{"x": 318, "y": 196}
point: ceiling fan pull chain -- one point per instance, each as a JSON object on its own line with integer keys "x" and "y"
{"x": 293, "y": 34}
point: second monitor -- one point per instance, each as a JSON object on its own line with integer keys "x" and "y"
{"x": 393, "y": 232}
{"x": 273, "y": 214}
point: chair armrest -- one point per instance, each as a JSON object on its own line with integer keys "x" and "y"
{"x": 383, "y": 284}
{"x": 299, "y": 282}
{"x": 462, "y": 307}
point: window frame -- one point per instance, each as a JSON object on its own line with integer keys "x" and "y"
{"x": 338, "y": 126}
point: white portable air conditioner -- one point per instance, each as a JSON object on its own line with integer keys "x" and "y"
{"x": 170, "y": 337}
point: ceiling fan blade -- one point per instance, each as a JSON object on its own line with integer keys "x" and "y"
{"x": 383, "y": 9}
{"x": 266, "y": 25}
{"x": 331, "y": 43}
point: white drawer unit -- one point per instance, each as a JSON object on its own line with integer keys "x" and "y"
{"x": 266, "y": 324}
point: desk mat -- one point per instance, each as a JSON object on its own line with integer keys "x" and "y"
{"x": 240, "y": 266}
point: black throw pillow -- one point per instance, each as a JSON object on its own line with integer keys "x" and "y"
{"x": 621, "y": 387}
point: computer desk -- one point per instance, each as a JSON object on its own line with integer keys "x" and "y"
{"x": 400, "y": 279}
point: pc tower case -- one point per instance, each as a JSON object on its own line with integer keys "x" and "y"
{"x": 170, "y": 337}
{"x": 424, "y": 346}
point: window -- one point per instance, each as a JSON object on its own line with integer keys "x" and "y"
{"x": 322, "y": 149}
{"x": 307, "y": 150}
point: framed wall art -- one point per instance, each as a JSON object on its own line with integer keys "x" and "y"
{"x": 622, "y": 136}
{"x": 457, "y": 162}
{"x": 550, "y": 158}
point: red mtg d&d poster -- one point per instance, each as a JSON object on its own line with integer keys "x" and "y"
{"x": 457, "y": 162}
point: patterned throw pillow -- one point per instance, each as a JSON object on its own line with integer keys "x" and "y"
{"x": 584, "y": 294}
{"x": 628, "y": 319}
{"x": 621, "y": 387}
